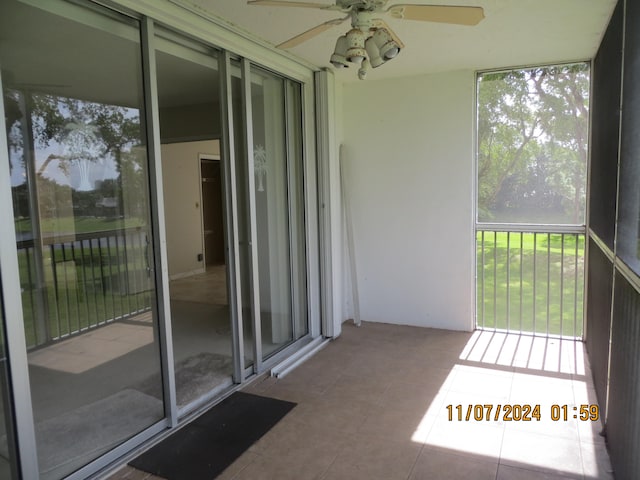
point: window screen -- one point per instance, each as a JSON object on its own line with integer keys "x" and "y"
{"x": 532, "y": 145}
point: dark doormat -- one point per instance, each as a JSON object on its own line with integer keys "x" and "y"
{"x": 210, "y": 443}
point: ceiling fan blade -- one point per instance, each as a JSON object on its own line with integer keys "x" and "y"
{"x": 379, "y": 23}
{"x": 312, "y": 32}
{"x": 278, "y": 3}
{"x": 438, "y": 13}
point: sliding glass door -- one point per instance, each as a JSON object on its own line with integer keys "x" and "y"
{"x": 157, "y": 193}
{"x": 277, "y": 199}
{"x": 80, "y": 187}
{"x": 268, "y": 208}
{"x": 192, "y": 174}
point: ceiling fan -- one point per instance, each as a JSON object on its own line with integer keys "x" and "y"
{"x": 370, "y": 42}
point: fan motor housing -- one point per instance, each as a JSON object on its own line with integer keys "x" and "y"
{"x": 361, "y": 5}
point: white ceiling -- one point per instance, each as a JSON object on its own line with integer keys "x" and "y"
{"x": 513, "y": 33}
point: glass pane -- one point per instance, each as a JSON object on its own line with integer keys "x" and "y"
{"x": 79, "y": 177}
{"x": 188, "y": 91}
{"x": 532, "y": 145}
{"x": 244, "y": 219}
{"x": 272, "y": 209}
{"x": 7, "y": 450}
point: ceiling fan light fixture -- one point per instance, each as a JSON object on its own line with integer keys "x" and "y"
{"x": 386, "y": 44}
{"x": 364, "y": 69}
{"x": 357, "y": 56}
{"x": 373, "y": 53}
{"x": 392, "y": 52}
{"x": 356, "y": 52}
{"x": 339, "y": 57}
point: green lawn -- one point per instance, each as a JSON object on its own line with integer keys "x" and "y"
{"x": 79, "y": 224}
{"x": 530, "y": 282}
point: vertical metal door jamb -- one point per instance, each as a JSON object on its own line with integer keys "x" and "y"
{"x": 253, "y": 234}
{"x": 161, "y": 273}
{"x": 14, "y": 317}
{"x": 323, "y": 145}
{"x": 294, "y": 264}
{"x": 231, "y": 212}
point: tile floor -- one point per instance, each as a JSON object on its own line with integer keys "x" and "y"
{"x": 373, "y": 405}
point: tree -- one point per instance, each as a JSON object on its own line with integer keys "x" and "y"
{"x": 532, "y": 141}
{"x": 87, "y": 133}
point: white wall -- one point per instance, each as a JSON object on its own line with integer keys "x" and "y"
{"x": 409, "y": 172}
{"x": 181, "y": 183}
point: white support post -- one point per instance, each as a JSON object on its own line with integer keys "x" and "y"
{"x": 329, "y": 208}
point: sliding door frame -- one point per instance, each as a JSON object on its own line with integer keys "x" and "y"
{"x": 231, "y": 217}
{"x": 161, "y": 262}
{"x": 174, "y": 18}
{"x": 254, "y": 274}
{"x": 14, "y": 319}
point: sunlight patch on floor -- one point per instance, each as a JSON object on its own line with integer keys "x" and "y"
{"x": 480, "y": 408}
{"x": 94, "y": 348}
{"x": 565, "y": 356}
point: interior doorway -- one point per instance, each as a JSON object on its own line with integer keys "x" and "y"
{"x": 212, "y": 211}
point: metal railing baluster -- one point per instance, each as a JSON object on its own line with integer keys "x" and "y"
{"x": 508, "y": 280}
{"x": 30, "y": 292}
{"x": 85, "y": 291}
{"x": 56, "y": 290}
{"x": 111, "y": 281}
{"x": 562, "y": 284}
{"x": 122, "y": 286}
{"x": 495, "y": 280}
{"x": 548, "y": 281}
{"x": 535, "y": 279}
{"x": 521, "y": 276}
{"x": 483, "y": 283}
{"x": 76, "y": 286}
{"x": 575, "y": 290}
{"x": 104, "y": 285}
{"x": 94, "y": 289}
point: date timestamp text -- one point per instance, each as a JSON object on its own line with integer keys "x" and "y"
{"x": 521, "y": 413}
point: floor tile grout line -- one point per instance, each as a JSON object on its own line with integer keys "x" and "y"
{"x": 335, "y": 457}
{"x": 245, "y": 467}
{"x": 504, "y": 426}
{"x": 415, "y": 462}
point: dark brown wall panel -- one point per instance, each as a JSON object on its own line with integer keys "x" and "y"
{"x": 629, "y": 196}
{"x": 623, "y": 423}
{"x": 617, "y": 136}
{"x": 599, "y": 293}
{"x": 605, "y": 125}
{"x": 605, "y": 108}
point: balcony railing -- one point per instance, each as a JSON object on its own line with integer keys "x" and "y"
{"x": 74, "y": 283}
{"x": 530, "y": 282}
